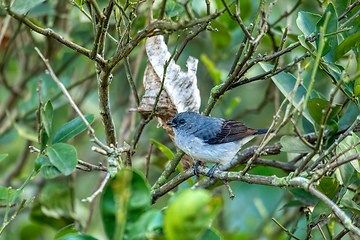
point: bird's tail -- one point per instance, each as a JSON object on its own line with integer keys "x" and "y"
{"x": 262, "y": 131}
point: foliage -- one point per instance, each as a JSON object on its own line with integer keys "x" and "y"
{"x": 68, "y": 68}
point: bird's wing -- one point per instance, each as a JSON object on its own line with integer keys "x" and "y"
{"x": 230, "y": 131}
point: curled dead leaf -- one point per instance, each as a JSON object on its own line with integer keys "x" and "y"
{"x": 180, "y": 91}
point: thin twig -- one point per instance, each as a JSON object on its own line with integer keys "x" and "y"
{"x": 131, "y": 82}
{"x": 148, "y": 160}
{"x": 284, "y": 229}
{"x": 269, "y": 73}
{"x": 72, "y": 103}
{"x": 306, "y": 185}
{"x": 349, "y": 20}
{"x": 231, "y": 193}
{"x": 236, "y": 16}
{"x": 50, "y": 33}
{"x": 91, "y": 167}
{"x": 99, "y": 190}
{"x": 287, "y": 13}
{"x": 162, "y": 10}
{"x": 348, "y": 9}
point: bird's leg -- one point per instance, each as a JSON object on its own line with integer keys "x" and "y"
{"x": 211, "y": 171}
{"x": 195, "y": 168}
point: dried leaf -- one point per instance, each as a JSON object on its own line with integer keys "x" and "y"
{"x": 180, "y": 88}
{"x": 152, "y": 85}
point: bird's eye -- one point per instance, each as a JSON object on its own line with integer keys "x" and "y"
{"x": 181, "y": 121}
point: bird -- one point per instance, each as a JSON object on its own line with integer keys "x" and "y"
{"x": 210, "y": 139}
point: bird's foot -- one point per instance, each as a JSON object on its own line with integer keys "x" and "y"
{"x": 195, "y": 168}
{"x": 211, "y": 171}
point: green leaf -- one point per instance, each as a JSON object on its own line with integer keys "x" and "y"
{"x": 4, "y": 193}
{"x": 331, "y": 27}
{"x": 77, "y": 237}
{"x": 23, "y": 6}
{"x": 333, "y": 67}
{"x": 307, "y": 45}
{"x": 329, "y": 186}
{"x": 44, "y": 139}
{"x": 211, "y": 234}
{"x": 63, "y": 156}
{"x": 3, "y": 156}
{"x": 303, "y": 196}
{"x": 41, "y": 162}
{"x": 334, "y": 126}
{"x": 231, "y": 108}
{"x": 316, "y": 107}
{"x": 80, "y": 2}
{"x": 349, "y": 116}
{"x": 293, "y": 203}
{"x": 285, "y": 82}
{"x": 108, "y": 212}
{"x": 210, "y": 65}
{"x": 294, "y": 145}
{"x": 149, "y": 224}
{"x": 346, "y": 45}
{"x": 306, "y": 22}
{"x": 68, "y": 230}
{"x": 320, "y": 213}
{"x": 23, "y": 130}
{"x": 125, "y": 199}
{"x": 348, "y": 174}
{"x": 50, "y": 172}
{"x": 347, "y": 143}
{"x": 173, "y": 9}
{"x": 72, "y": 128}
{"x": 351, "y": 205}
{"x": 192, "y": 223}
{"x": 166, "y": 151}
{"x": 54, "y": 205}
{"x": 47, "y": 113}
{"x": 170, "y": 155}
{"x": 26, "y": 132}
{"x": 347, "y": 171}
{"x": 357, "y": 82}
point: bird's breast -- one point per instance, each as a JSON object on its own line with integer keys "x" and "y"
{"x": 200, "y": 151}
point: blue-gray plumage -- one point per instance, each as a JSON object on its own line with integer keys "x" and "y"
{"x": 209, "y": 139}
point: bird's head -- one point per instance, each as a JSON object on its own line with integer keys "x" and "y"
{"x": 184, "y": 120}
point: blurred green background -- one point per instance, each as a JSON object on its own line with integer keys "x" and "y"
{"x": 58, "y": 201}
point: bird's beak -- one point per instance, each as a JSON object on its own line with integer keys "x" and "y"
{"x": 171, "y": 123}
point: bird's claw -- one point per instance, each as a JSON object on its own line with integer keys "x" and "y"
{"x": 211, "y": 171}
{"x": 195, "y": 168}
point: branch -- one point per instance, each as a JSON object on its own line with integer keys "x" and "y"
{"x": 270, "y": 73}
{"x": 220, "y": 175}
{"x": 307, "y": 186}
{"x": 236, "y": 17}
{"x": 348, "y": 9}
{"x": 99, "y": 190}
{"x": 156, "y": 28}
{"x": 170, "y": 168}
{"x": 287, "y": 13}
{"x": 349, "y": 20}
{"x": 50, "y": 33}
{"x": 189, "y": 38}
{"x": 162, "y": 10}
{"x": 98, "y": 12}
{"x": 72, "y": 103}
{"x": 131, "y": 82}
